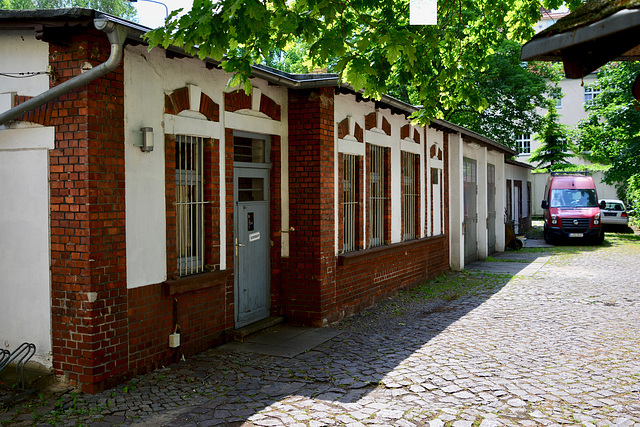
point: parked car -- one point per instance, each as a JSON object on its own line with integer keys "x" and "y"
{"x": 614, "y": 213}
{"x": 571, "y": 208}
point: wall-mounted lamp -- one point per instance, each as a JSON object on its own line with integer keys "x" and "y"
{"x": 146, "y": 142}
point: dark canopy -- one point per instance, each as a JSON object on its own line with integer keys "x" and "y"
{"x": 594, "y": 34}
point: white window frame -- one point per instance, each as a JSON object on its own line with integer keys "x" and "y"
{"x": 590, "y": 93}
{"x": 523, "y": 144}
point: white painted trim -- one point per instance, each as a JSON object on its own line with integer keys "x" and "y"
{"x": 284, "y": 180}
{"x": 256, "y": 97}
{"x": 351, "y": 147}
{"x": 254, "y": 124}
{"x": 456, "y": 202}
{"x": 378, "y": 138}
{"x": 195, "y": 94}
{"x": 410, "y": 146}
{"x": 32, "y": 138}
{"x": 174, "y": 125}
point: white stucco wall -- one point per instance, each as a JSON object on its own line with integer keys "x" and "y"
{"x": 458, "y": 150}
{"x": 518, "y": 173}
{"x": 20, "y": 53}
{"x": 571, "y": 111}
{"x": 25, "y": 285}
{"x": 148, "y": 77}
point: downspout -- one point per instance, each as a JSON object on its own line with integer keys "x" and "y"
{"x": 116, "y": 35}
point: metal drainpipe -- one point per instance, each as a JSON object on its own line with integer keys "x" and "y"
{"x": 116, "y": 35}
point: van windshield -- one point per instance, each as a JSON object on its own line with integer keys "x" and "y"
{"x": 573, "y": 199}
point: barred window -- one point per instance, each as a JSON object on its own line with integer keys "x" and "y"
{"x": 410, "y": 194}
{"x": 189, "y": 204}
{"x": 377, "y": 199}
{"x": 350, "y": 201}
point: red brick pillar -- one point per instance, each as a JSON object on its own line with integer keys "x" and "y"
{"x": 88, "y": 259}
{"x": 308, "y": 275}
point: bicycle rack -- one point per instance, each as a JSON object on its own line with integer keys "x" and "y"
{"x": 21, "y": 356}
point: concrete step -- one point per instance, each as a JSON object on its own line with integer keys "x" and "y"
{"x": 240, "y": 334}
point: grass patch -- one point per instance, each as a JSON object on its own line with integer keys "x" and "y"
{"x": 451, "y": 286}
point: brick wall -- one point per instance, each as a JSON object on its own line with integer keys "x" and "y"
{"x": 88, "y": 263}
{"x": 308, "y": 274}
{"x": 367, "y": 277}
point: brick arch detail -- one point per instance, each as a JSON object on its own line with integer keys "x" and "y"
{"x": 239, "y": 100}
{"x": 343, "y": 130}
{"x": 178, "y": 101}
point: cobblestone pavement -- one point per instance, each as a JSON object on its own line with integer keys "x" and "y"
{"x": 560, "y": 347}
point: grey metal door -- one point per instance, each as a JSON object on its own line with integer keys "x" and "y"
{"x": 470, "y": 178}
{"x": 491, "y": 208}
{"x": 252, "y": 265}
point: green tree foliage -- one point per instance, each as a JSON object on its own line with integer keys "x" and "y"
{"x": 371, "y": 41}
{"x": 292, "y": 59}
{"x": 611, "y": 132}
{"x": 121, "y": 8}
{"x": 554, "y": 149}
{"x": 514, "y": 91}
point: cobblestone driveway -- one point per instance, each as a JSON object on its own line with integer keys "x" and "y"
{"x": 561, "y": 347}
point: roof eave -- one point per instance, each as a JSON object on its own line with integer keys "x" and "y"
{"x": 618, "y": 34}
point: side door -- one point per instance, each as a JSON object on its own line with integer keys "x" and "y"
{"x": 470, "y": 178}
{"x": 251, "y": 234}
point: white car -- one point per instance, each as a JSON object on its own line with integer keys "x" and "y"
{"x": 614, "y": 213}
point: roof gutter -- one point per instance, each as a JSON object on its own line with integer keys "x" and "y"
{"x": 116, "y": 35}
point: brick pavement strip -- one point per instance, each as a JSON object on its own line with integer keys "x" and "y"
{"x": 559, "y": 347}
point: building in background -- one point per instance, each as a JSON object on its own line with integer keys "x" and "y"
{"x": 576, "y": 94}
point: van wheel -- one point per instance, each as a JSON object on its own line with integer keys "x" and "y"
{"x": 599, "y": 238}
{"x": 547, "y": 236}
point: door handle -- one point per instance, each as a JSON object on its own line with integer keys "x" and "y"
{"x": 238, "y": 245}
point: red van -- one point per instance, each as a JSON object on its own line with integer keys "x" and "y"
{"x": 571, "y": 208}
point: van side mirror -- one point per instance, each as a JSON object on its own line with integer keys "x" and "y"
{"x": 545, "y": 205}
{"x": 603, "y": 204}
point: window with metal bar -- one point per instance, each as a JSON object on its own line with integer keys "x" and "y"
{"x": 350, "y": 202}
{"x": 377, "y": 199}
{"x": 410, "y": 194}
{"x": 189, "y": 204}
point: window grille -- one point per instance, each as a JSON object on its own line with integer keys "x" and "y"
{"x": 410, "y": 194}
{"x": 189, "y": 204}
{"x": 377, "y": 194}
{"x": 350, "y": 202}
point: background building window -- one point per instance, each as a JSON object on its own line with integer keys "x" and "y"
{"x": 558, "y": 100}
{"x": 523, "y": 144}
{"x": 189, "y": 204}
{"x": 590, "y": 93}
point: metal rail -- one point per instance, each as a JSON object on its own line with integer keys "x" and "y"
{"x": 21, "y": 356}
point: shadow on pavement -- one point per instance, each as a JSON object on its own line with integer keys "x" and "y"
{"x": 340, "y": 364}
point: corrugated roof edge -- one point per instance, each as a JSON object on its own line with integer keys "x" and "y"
{"x": 272, "y": 75}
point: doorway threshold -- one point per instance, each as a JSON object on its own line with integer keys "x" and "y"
{"x": 241, "y": 333}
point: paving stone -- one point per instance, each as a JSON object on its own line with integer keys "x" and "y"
{"x": 553, "y": 349}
